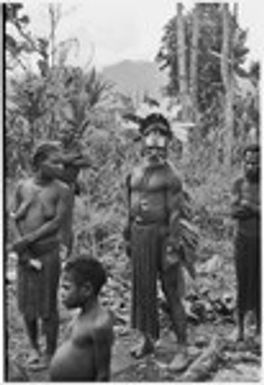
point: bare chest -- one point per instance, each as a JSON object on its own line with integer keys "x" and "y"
{"x": 148, "y": 180}
{"x": 250, "y": 192}
{"x": 42, "y": 203}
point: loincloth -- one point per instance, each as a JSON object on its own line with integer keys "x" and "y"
{"x": 37, "y": 290}
{"x": 147, "y": 253}
{"x": 248, "y": 270}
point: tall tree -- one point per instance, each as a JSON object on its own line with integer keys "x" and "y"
{"x": 182, "y": 68}
{"x": 209, "y": 80}
{"x": 228, "y": 81}
{"x": 194, "y": 61}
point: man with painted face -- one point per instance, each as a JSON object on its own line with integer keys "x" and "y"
{"x": 246, "y": 209}
{"x": 155, "y": 197}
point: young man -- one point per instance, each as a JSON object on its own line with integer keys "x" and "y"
{"x": 37, "y": 227}
{"x": 154, "y": 239}
{"x": 246, "y": 209}
{"x": 86, "y": 353}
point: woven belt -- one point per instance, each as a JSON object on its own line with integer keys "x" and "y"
{"x": 145, "y": 222}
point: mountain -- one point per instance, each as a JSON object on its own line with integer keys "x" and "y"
{"x": 134, "y": 78}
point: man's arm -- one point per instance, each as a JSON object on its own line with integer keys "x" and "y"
{"x": 174, "y": 196}
{"x": 252, "y": 206}
{"x": 103, "y": 340}
{"x": 51, "y": 226}
{"x": 183, "y": 236}
{"x": 14, "y": 207}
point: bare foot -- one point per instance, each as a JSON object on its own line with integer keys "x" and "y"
{"x": 33, "y": 357}
{"x": 145, "y": 347}
{"x": 180, "y": 361}
{"x": 41, "y": 364}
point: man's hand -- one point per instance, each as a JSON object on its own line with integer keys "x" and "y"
{"x": 251, "y": 206}
{"x": 36, "y": 264}
{"x": 64, "y": 251}
{"x": 242, "y": 210}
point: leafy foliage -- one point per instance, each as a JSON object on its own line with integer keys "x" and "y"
{"x": 210, "y": 90}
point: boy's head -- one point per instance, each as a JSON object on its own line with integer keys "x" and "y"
{"x": 82, "y": 279}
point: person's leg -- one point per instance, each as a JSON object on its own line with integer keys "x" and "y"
{"x": 242, "y": 289}
{"x": 144, "y": 313}
{"x": 240, "y": 323}
{"x": 51, "y": 328}
{"x": 145, "y": 346}
{"x": 171, "y": 280}
{"x": 32, "y": 332}
{"x": 170, "y": 288}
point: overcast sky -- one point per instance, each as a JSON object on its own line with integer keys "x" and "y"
{"x": 114, "y": 30}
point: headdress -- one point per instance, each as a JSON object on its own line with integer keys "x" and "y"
{"x": 165, "y": 113}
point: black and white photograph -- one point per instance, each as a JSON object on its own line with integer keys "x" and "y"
{"x": 132, "y": 191}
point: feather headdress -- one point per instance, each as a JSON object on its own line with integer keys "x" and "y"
{"x": 165, "y": 112}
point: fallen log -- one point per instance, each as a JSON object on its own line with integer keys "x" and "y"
{"x": 205, "y": 363}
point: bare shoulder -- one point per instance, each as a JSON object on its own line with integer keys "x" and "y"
{"x": 237, "y": 183}
{"x": 138, "y": 170}
{"x": 62, "y": 187}
{"x": 104, "y": 323}
{"x": 25, "y": 184}
{"x": 104, "y": 319}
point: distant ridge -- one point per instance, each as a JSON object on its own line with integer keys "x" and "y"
{"x": 134, "y": 78}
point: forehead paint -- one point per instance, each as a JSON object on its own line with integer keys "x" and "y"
{"x": 156, "y": 127}
{"x": 155, "y": 141}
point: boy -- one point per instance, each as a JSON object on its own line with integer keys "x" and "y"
{"x": 86, "y": 353}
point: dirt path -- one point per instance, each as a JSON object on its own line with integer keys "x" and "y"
{"x": 214, "y": 316}
{"x": 238, "y": 363}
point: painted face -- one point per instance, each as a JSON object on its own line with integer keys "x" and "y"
{"x": 70, "y": 294}
{"x": 155, "y": 143}
{"x": 252, "y": 165}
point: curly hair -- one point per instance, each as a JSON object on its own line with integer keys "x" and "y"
{"x": 42, "y": 152}
{"x": 87, "y": 269}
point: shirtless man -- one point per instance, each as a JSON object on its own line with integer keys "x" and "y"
{"x": 86, "y": 353}
{"x": 157, "y": 207}
{"x": 246, "y": 210}
{"x": 37, "y": 228}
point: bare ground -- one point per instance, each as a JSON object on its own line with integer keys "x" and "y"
{"x": 210, "y": 304}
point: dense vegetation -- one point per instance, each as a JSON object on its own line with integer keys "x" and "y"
{"x": 77, "y": 107}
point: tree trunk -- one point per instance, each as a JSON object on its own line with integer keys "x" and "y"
{"x": 54, "y": 19}
{"x": 194, "y": 62}
{"x": 181, "y": 53}
{"x": 1, "y": 70}
{"x": 228, "y": 81}
{"x": 52, "y": 13}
